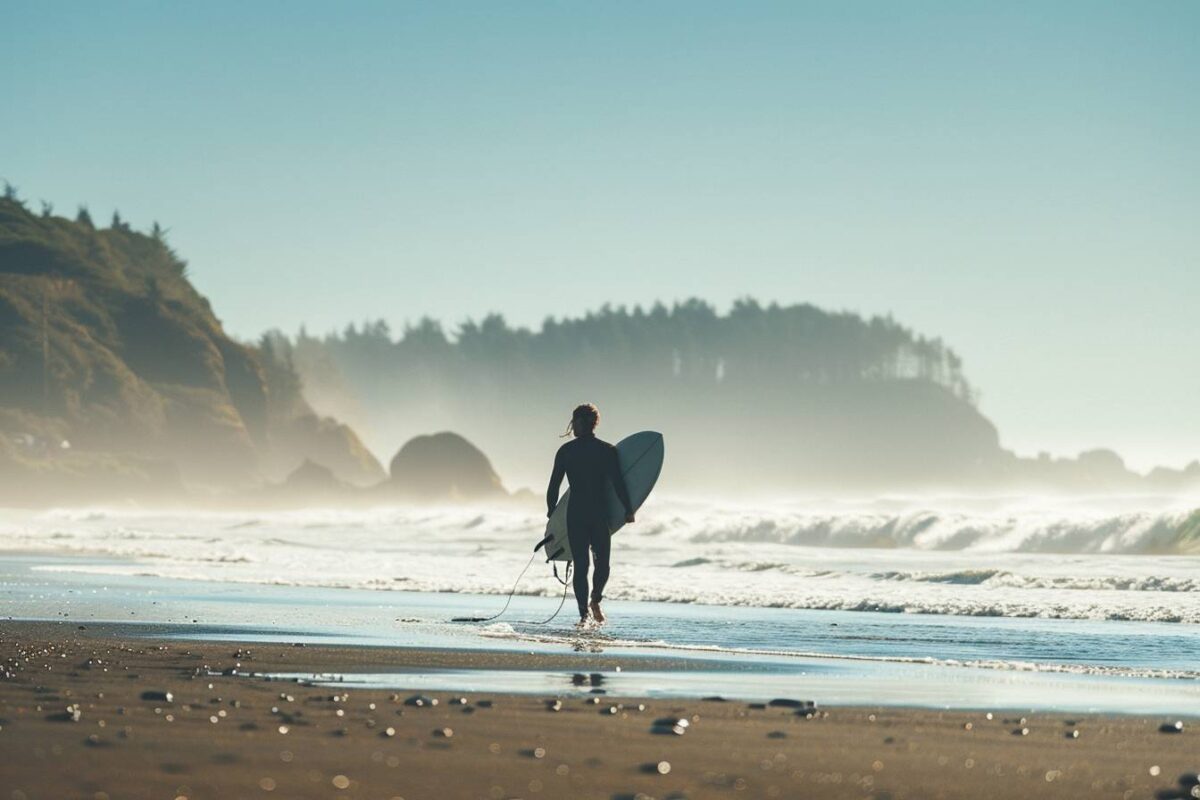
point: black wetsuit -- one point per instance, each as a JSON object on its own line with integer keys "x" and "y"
{"x": 590, "y": 465}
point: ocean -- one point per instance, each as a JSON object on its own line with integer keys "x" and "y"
{"x": 1127, "y": 559}
{"x": 962, "y": 603}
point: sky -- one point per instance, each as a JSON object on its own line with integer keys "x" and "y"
{"x": 1021, "y": 178}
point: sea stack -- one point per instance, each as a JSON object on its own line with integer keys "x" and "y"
{"x": 443, "y": 466}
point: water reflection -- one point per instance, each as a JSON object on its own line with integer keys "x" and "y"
{"x": 593, "y": 679}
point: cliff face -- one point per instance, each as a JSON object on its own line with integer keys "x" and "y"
{"x": 107, "y": 351}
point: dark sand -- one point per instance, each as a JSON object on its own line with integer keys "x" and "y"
{"x": 74, "y": 723}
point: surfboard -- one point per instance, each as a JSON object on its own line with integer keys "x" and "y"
{"x": 641, "y": 458}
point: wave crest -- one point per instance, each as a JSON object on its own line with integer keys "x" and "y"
{"x": 1161, "y": 533}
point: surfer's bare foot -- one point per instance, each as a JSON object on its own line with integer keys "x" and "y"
{"x": 597, "y": 614}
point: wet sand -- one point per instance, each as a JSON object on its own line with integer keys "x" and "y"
{"x": 83, "y": 713}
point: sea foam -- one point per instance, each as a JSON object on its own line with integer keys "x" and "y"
{"x": 1135, "y": 560}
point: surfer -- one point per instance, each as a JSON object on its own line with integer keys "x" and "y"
{"x": 589, "y": 465}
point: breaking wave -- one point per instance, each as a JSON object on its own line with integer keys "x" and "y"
{"x": 999, "y": 577}
{"x": 1169, "y": 532}
{"x": 1082, "y": 561}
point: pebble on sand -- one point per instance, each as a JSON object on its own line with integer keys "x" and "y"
{"x": 669, "y": 726}
{"x": 72, "y": 713}
{"x": 680, "y": 721}
{"x": 787, "y": 702}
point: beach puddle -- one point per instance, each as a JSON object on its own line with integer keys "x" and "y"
{"x": 929, "y": 686}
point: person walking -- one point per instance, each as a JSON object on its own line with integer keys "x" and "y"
{"x": 590, "y": 465}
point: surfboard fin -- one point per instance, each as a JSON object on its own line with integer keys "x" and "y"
{"x": 543, "y": 542}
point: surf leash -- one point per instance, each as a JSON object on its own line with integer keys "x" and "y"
{"x": 561, "y": 602}
{"x": 506, "y": 602}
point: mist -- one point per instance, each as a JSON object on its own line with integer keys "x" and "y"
{"x": 764, "y": 399}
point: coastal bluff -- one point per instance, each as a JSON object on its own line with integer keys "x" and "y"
{"x": 118, "y": 381}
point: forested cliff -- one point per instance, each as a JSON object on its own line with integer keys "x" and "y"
{"x": 117, "y": 380}
{"x": 116, "y": 377}
{"x": 762, "y": 396}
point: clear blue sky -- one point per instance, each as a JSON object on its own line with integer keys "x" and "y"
{"x": 1020, "y": 178}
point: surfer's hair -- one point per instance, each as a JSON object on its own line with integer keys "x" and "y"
{"x": 584, "y": 420}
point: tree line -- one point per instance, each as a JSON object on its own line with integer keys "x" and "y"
{"x": 687, "y": 343}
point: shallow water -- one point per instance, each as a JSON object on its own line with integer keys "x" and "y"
{"x": 751, "y": 653}
{"x": 872, "y": 685}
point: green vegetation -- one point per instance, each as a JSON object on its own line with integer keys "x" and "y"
{"x": 107, "y": 347}
{"x": 688, "y": 342}
{"x": 764, "y": 397}
{"x": 792, "y": 396}
{"x": 117, "y": 380}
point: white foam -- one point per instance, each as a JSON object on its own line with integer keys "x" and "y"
{"x": 1079, "y": 560}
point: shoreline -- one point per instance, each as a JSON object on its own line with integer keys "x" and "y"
{"x": 224, "y": 735}
{"x": 649, "y": 649}
{"x": 401, "y": 667}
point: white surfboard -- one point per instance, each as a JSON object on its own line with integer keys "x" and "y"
{"x": 641, "y": 457}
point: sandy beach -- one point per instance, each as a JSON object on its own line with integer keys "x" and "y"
{"x": 90, "y": 711}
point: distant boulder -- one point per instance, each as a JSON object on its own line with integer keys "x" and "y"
{"x": 311, "y": 476}
{"x": 443, "y": 466}
{"x": 1167, "y": 479}
{"x": 323, "y": 440}
{"x": 310, "y": 484}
